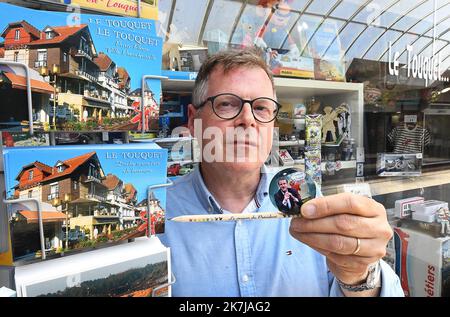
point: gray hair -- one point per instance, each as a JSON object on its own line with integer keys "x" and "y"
{"x": 228, "y": 60}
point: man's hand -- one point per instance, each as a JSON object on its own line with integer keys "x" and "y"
{"x": 331, "y": 225}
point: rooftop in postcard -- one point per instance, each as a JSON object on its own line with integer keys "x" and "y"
{"x": 141, "y": 165}
{"x": 130, "y": 42}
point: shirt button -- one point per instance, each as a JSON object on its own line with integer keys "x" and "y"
{"x": 245, "y": 278}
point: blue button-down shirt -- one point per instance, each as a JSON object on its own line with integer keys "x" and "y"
{"x": 246, "y": 257}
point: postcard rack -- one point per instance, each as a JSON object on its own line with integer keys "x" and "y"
{"x": 28, "y": 89}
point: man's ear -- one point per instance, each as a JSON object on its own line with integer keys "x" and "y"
{"x": 192, "y": 114}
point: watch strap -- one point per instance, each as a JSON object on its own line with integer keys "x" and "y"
{"x": 373, "y": 280}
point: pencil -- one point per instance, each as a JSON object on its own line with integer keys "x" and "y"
{"x": 233, "y": 217}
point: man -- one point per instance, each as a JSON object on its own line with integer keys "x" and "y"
{"x": 333, "y": 250}
{"x": 288, "y": 200}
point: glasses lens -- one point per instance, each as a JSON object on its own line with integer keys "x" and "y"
{"x": 265, "y": 109}
{"x": 227, "y": 106}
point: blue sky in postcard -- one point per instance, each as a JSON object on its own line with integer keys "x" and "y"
{"x": 149, "y": 170}
{"x": 130, "y": 42}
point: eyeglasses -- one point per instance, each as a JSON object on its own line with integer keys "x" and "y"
{"x": 228, "y": 106}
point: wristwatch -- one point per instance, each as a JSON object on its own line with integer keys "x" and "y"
{"x": 373, "y": 280}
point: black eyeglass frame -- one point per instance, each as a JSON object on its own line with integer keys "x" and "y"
{"x": 243, "y": 102}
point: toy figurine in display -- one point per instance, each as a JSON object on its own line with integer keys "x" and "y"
{"x": 328, "y": 124}
{"x": 344, "y": 120}
{"x": 443, "y": 217}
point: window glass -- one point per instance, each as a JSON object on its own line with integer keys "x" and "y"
{"x": 373, "y": 10}
{"x": 347, "y": 8}
{"x": 221, "y": 20}
{"x": 362, "y": 43}
{"x": 321, "y": 6}
{"x": 186, "y": 30}
{"x": 381, "y": 44}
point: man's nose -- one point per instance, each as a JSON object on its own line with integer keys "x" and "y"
{"x": 246, "y": 118}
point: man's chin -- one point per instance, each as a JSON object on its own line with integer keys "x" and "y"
{"x": 241, "y": 166}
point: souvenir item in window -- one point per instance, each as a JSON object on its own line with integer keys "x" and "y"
{"x": 328, "y": 120}
{"x": 313, "y": 165}
{"x": 332, "y": 70}
{"x": 313, "y": 131}
{"x": 408, "y": 164}
{"x": 409, "y": 137}
{"x": 284, "y": 157}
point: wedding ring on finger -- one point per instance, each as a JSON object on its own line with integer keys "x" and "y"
{"x": 358, "y": 246}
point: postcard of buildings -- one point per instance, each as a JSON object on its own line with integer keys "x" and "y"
{"x": 90, "y": 195}
{"x": 85, "y": 71}
{"x": 137, "y": 269}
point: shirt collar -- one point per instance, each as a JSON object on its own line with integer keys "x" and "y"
{"x": 210, "y": 204}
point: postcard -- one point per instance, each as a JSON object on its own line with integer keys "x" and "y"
{"x": 85, "y": 71}
{"x": 137, "y": 269}
{"x": 90, "y": 196}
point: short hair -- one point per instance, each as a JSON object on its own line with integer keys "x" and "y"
{"x": 282, "y": 178}
{"x": 229, "y": 60}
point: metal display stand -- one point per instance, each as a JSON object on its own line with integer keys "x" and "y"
{"x": 144, "y": 78}
{"x": 149, "y": 194}
{"x": 28, "y": 88}
{"x": 40, "y": 221}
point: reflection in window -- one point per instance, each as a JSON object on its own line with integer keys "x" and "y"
{"x": 414, "y": 16}
{"x": 399, "y": 46}
{"x": 321, "y": 6}
{"x": 396, "y": 12}
{"x": 221, "y": 20}
{"x": 326, "y": 33}
{"x": 346, "y": 37}
{"x": 363, "y": 42}
{"x": 417, "y": 46}
{"x": 372, "y": 11}
{"x": 303, "y": 31}
{"x": 271, "y": 26}
{"x": 441, "y": 27}
{"x": 427, "y": 22}
{"x": 347, "y": 8}
{"x": 186, "y": 30}
{"x": 428, "y": 50}
{"x": 252, "y": 18}
{"x": 381, "y": 44}
{"x": 164, "y": 7}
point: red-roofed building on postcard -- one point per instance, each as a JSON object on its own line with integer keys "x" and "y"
{"x": 66, "y": 66}
{"x": 78, "y": 202}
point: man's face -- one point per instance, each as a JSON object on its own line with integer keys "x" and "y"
{"x": 248, "y": 145}
{"x": 283, "y": 185}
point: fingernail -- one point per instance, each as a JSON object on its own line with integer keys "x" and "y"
{"x": 309, "y": 210}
